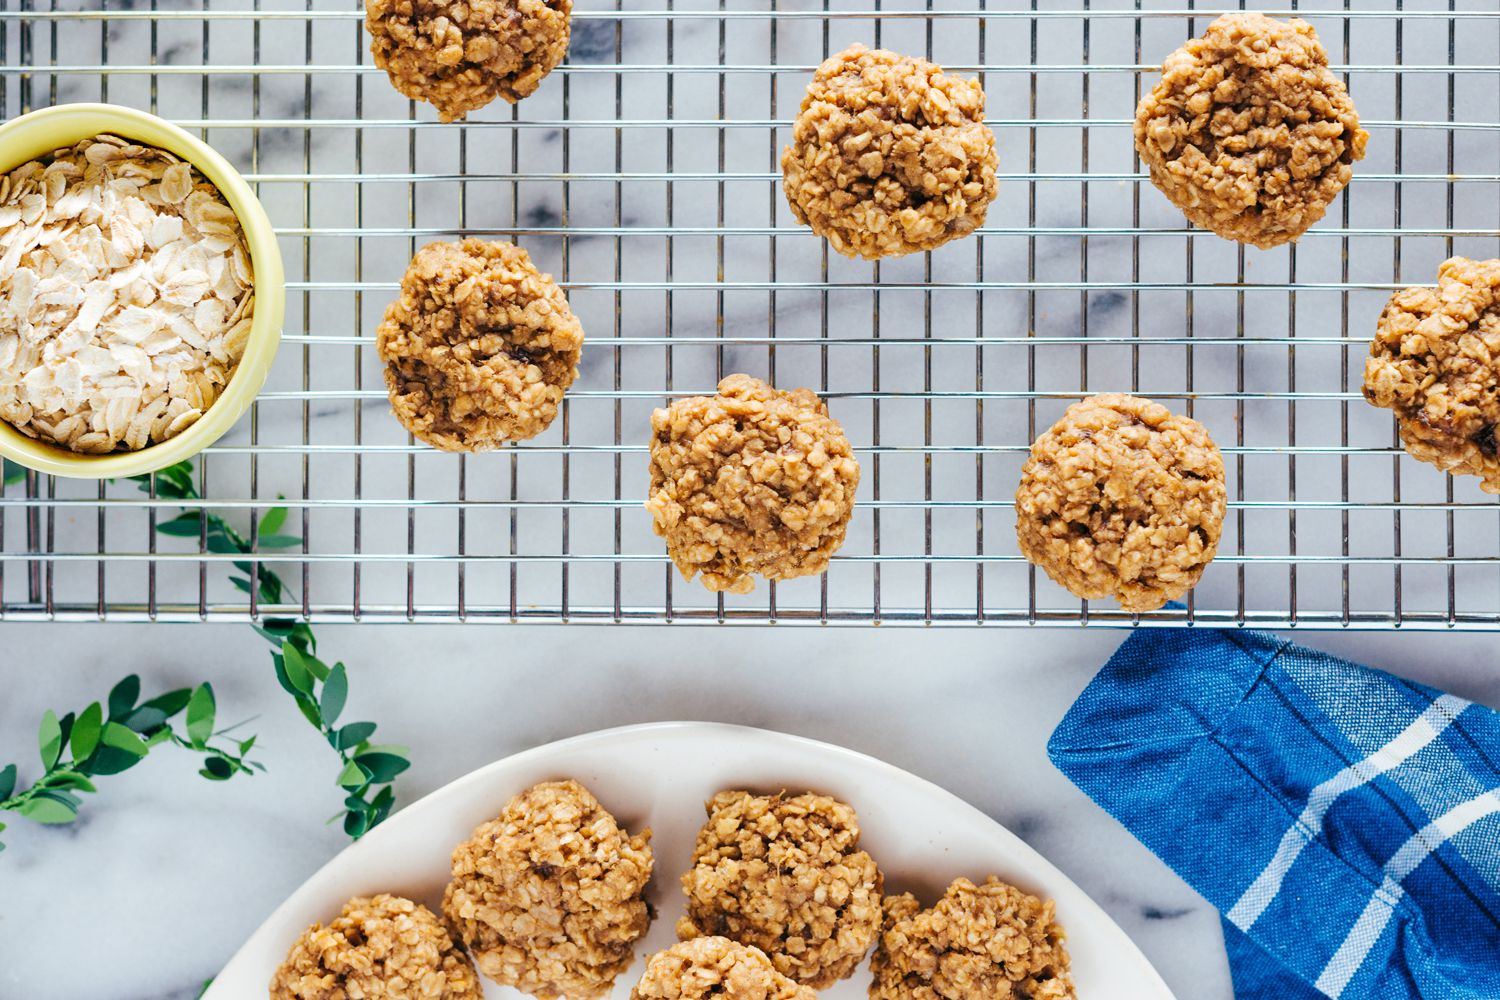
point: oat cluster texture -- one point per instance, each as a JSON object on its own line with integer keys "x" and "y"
{"x": 459, "y": 57}
{"x": 785, "y": 874}
{"x": 549, "y": 897}
{"x": 715, "y": 968}
{"x": 479, "y": 347}
{"x": 1248, "y": 132}
{"x": 751, "y": 481}
{"x": 379, "y": 948}
{"x": 980, "y": 942}
{"x": 1121, "y": 498}
{"x": 889, "y": 155}
{"x": 1435, "y": 361}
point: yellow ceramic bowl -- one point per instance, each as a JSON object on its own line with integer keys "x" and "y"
{"x": 39, "y": 133}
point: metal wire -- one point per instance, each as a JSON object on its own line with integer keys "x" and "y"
{"x": 645, "y": 175}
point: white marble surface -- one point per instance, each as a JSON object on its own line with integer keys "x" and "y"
{"x": 166, "y": 874}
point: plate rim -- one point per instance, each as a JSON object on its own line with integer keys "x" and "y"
{"x": 675, "y": 728}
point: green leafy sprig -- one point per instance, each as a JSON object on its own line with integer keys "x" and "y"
{"x": 319, "y": 690}
{"x": 113, "y": 736}
{"x": 10, "y": 472}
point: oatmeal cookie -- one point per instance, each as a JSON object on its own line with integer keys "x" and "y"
{"x": 380, "y": 948}
{"x": 1435, "y": 361}
{"x": 786, "y": 875}
{"x": 1248, "y": 132}
{"x": 889, "y": 155}
{"x": 550, "y": 896}
{"x": 1122, "y": 499}
{"x": 753, "y": 480}
{"x": 479, "y": 347}
{"x": 980, "y": 942}
{"x": 458, "y": 57}
{"x": 715, "y": 968}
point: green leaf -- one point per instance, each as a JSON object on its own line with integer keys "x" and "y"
{"x": 354, "y": 734}
{"x": 7, "y": 781}
{"x": 123, "y": 695}
{"x": 217, "y": 769}
{"x": 13, "y": 473}
{"x": 223, "y": 546}
{"x": 355, "y": 824}
{"x": 200, "y": 715}
{"x": 279, "y": 541}
{"x": 353, "y": 776}
{"x": 121, "y": 738}
{"x": 144, "y": 719}
{"x": 272, "y": 521}
{"x": 309, "y": 710}
{"x": 107, "y": 760}
{"x": 335, "y": 693}
{"x": 302, "y": 635}
{"x": 171, "y": 702}
{"x": 67, "y": 779}
{"x": 85, "y": 735}
{"x": 294, "y": 665}
{"x": 178, "y": 476}
{"x": 319, "y": 669}
{"x": 50, "y": 808}
{"x": 49, "y": 740}
{"x": 380, "y": 806}
{"x": 185, "y": 526}
{"x": 382, "y": 766}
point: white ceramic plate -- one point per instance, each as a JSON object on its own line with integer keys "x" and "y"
{"x": 659, "y": 776}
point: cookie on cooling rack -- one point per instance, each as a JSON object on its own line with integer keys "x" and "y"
{"x": 715, "y": 968}
{"x": 479, "y": 347}
{"x": 752, "y": 480}
{"x": 381, "y": 946}
{"x": 978, "y": 943}
{"x": 1248, "y": 132}
{"x": 785, "y": 874}
{"x": 1434, "y": 362}
{"x": 1121, "y": 498}
{"x": 549, "y": 897}
{"x": 889, "y": 155}
{"x": 459, "y": 57}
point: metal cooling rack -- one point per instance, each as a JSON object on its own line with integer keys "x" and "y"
{"x": 644, "y": 174}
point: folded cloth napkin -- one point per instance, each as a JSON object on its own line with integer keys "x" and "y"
{"x": 1346, "y": 823}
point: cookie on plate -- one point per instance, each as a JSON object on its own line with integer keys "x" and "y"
{"x": 715, "y": 968}
{"x": 785, "y": 874}
{"x": 980, "y": 942}
{"x": 1435, "y": 361}
{"x": 549, "y": 897}
{"x": 479, "y": 347}
{"x": 1248, "y": 132}
{"x": 1121, "y": 498}
{"x": 381, "y": 948}
{"x": 459, "y": 57}
{"x": 889, "y": 155}
{"x": 751, "y": 481}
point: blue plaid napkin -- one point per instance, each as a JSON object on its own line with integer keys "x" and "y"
{"x": 1344, "y": 822}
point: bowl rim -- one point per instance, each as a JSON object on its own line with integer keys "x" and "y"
{"x": 35, "y": 134}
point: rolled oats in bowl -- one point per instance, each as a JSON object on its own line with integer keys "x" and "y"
{"x": 125, "y": 296}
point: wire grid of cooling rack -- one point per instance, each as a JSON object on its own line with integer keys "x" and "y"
{"x": 645, "y": 175}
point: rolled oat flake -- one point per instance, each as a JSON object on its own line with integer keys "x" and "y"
{"x": 125, "y": 296}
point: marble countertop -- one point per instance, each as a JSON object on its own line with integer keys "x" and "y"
{"x": 166, "y": 874}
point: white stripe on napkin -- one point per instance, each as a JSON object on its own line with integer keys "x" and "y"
{"x": 1377, "y": 913}
{"x": 1423, "y": 730}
